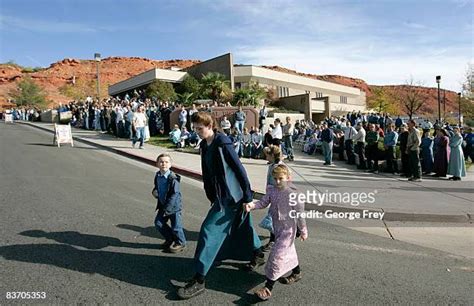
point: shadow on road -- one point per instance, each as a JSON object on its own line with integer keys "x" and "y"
{"x": 152, "y": 271}
{"x": 151, "y": 231}
{"x": 68, "y": 145}
{"x": 41, "y": 144}
{"x": 467, "y": 189}
{"x": 91, "y": 242}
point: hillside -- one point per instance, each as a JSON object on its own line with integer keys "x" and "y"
{"x": 112, "y": 70}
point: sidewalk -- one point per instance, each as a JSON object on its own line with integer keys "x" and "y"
{"x": 432, "y": 200}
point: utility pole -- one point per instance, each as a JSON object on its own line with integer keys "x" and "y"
{"x": 438, "y": 80}
{"x": 97, "y": 59}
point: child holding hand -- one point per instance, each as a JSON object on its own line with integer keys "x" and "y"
{"x": 283, "y": 258}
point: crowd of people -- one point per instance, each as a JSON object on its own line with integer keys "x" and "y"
{"x": 409, "y": 149}
{"x": 24, "y": 113}
{"x": 123, "y": 118}
{"x": 364, "y": 141}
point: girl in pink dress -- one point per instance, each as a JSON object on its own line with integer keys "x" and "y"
{"x": 286, "y": 221}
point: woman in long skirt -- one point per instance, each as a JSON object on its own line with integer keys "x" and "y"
{"x": 441, "y": 156}
{"x": 227, "y": 231}
{"x": 457, "y": 166}
{"x": 427, "y": 159}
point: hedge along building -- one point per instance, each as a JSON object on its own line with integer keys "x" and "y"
{"x": 315, "y": 98}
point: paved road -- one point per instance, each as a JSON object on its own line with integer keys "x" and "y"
{"x": 77, "y": 224}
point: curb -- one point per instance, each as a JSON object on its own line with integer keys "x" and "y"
{"x": 389, "y": 216}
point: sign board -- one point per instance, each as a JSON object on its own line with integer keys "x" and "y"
{"x": 65, "y": 117}
{"x": 8, "y": 118}
{"x": 62, "y": 134}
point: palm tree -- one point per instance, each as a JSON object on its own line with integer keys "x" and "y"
{"x": 256, "y": 94}
{"x": 214, "y": 85}
{"x": 186, "y": 98}
{"x": 242, "y": 96}
{"x": 250, "y": 95}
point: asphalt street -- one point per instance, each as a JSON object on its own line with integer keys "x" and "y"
{"x": 77, "y": 224}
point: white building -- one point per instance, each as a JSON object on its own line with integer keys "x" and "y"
{"x": 314, "y": 98}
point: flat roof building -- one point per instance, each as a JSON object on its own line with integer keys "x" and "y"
{"x": 313, "y": 97}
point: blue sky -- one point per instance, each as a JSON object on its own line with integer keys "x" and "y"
{"x": 379, "y": 41}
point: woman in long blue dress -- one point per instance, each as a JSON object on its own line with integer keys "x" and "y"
{"x": 227, "y": 231}
{"x": 427, "y": 160}
{"x": 457, "y": 166}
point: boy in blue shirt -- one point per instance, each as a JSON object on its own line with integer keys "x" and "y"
{"x": 168, "y": 194}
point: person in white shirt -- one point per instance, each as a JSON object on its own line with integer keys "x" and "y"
{"x": 277, "y": 133}
{"x": 359, "y": 141}
{"x": 119, "y": 121}
{"x": 426, "y": 125}
{"x": 183, "y": 117}
{"x": 225, "y": 125}
{"x": 138, "y": 123}
{"x": 134, "y": 105}
{"x": 349, "y": 134}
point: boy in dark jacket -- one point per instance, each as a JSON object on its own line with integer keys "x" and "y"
{"x": 169, "y": 206}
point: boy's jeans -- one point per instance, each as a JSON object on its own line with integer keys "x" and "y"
{"x": 327, "y": 152}
{"x": 174, "y": 232}
{"x": 288, "y": 145}
{"x": 140, "y": 135}
{"x": 239, "y": 125}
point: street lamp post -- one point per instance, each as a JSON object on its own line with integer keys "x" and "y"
{"x": 97, "y": 59}
{"x": 459, "y": 101}
{"x": 444, "y": 104}
{"x": 438, "y": 80}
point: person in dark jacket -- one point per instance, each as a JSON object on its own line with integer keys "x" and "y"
{"x": 168, "y": 194}
{"x": 327, "y": 137}
{"x": 227, "y": 231}
{"x": 403, "y": 146}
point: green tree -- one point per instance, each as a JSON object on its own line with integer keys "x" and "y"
{"x": 186, "y": 98}
{"x": 82, "y": 89}
{"x": 215, "y": 86}
{"x": 189, "y": 85}
{"x": 163, "y": 91}
{"x": 382, "y": 100}
{"x": 28, "y": 93}
{"x": 241, "y": 96}
{"x": 257, "y": 93}
{"x": 249, "y": 95}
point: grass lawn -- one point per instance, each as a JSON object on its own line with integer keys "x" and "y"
{"x": 161, "y": 141}
{"x": 164, "y": 142}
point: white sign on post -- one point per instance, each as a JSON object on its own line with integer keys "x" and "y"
{"x": 8, "y": 118}
{"x": 62, "y": 134}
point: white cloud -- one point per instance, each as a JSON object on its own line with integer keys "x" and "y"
{"x": 323, "y": 37}
{"x": 379, "y": 69}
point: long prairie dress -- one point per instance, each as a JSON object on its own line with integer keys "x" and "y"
{"x": 283, "y": 257}
{"x": 441, "y": 155}
{"x": 456, "y": 166}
